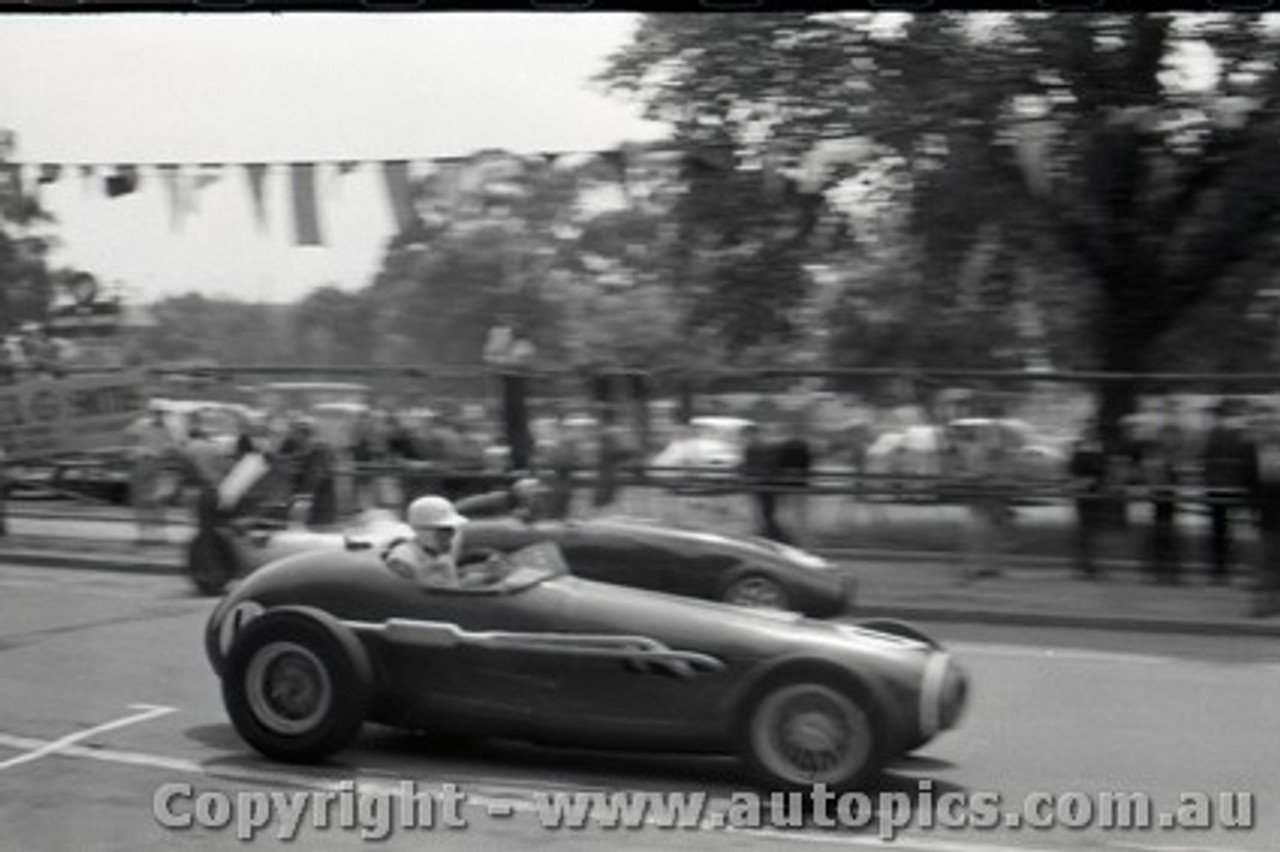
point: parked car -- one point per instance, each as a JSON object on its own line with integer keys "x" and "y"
{"x": 710, "y": 448}
{"x": 314, "y": 645}
{"x": 912, "y": 461}
{"x": 627, "y": 551}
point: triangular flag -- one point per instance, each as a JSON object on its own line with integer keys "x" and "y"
{"x": 257, "y": 176}
{"x": 208, "y": 175}
{"x": 306, "y": 215}
{"x": 49, "y": 173}
{"x": 395, "y": 174}
{"x": 338, "y": 175}
{"x": 123, "y": 182}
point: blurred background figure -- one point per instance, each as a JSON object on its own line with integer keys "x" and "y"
{"x": 204, "y": 465}
{"x": 794, "y": 464}
{"x": 511, "y": 352}
{"x": 151, "y": 444}
{"x": 1089, "y": 482}
{"x": 1224, "y": 461}
{"x": 984, "y": 464}
{"x": 564, "y": 457}
{"x": 614, "y": 450}
{"x": 310, "y": 467}
{"x": 1262, "y": 475}
{"x": 759, "y": 473}
{"x": 1161, "y": 475}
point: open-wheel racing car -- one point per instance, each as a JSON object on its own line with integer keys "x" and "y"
{"x": 627, "y": 551}
{"x": 314, "y": 645}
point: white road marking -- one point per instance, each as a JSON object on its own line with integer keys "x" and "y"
{"x": 148, "y": 711}
{"x": 172, "y": 764}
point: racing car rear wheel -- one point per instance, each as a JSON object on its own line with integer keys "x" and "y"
{"x": 756, "y": 590}
{"x": 211, "y": 560}
{"x": 297, "y": 684}
{"x": 800, "y": 732}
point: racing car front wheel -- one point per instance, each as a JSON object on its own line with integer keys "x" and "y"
{"x": 297, "y": 684}
{"x": 756, "y": 590}
{"x": 801, "y": 732}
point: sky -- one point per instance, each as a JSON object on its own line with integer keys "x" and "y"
{"x": 193, "y": 88}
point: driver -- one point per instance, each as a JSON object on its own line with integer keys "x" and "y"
{"x": 431, "y": 556}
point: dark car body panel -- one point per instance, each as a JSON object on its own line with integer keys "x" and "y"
{"x": 624, "y": 551}
{"x": 523, "y": 689}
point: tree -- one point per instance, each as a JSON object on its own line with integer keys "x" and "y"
{"x": 26, "y": 281}
{"x": 1092, "y": 141}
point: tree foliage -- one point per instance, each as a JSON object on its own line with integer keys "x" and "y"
{"x": 1136, "y": 150}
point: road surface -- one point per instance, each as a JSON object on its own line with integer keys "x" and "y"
{"x": 111, "y": 724}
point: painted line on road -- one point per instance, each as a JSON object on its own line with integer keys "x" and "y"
{"x": 172, "y": 764}
{"x": 148, "y": 711}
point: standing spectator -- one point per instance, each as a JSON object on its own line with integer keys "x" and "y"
{"x": 366, "y": 450}
{"x": 511, "y": 353}
{"x": 151, "y": 446}
{"x": 204, "y": 467}
{"x": 613, "y": 452}
{"x": 1088, "y": 470}
{"x": 1225, "y": 458}
{"x": 759, "y": 473}
{"x": 794, "y": 466}
{"x": 311, "y": 466}
{"x": 1262, "y": 476}
{"x": 563, "y": 460}
{"x": 1161, "y": 475}
{"x": 982, "y": 465}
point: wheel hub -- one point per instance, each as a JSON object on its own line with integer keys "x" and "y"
{"x": 293, "y": 687}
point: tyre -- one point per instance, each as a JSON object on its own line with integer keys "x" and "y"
{"x": 901, "y": 629}
{"x": 297, "y": 685}
{"x": 212, "y": 561}
{"x": 756, "y": 590}
{"x": 806, "y": 730}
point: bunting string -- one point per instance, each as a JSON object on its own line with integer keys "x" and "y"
{"x": 485, "y": 181}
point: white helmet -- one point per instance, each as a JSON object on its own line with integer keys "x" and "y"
{"x": 434, "y": 512}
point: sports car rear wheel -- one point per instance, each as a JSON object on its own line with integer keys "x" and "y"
{"x": 297, "y": 684}
{"x": 800, "y": 733}
{"x": 756, "y": 590}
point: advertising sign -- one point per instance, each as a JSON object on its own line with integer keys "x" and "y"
{"x": 49, "y": 416}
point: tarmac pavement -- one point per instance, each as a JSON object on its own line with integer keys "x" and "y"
{"x": 916, "y": 586}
